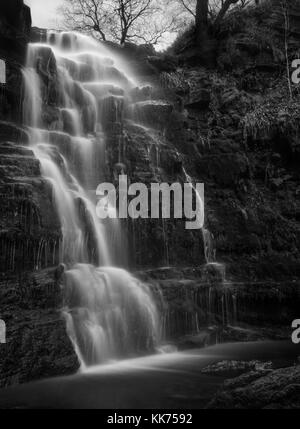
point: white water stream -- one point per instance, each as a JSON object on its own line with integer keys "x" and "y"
{"x": 110, "y": 314}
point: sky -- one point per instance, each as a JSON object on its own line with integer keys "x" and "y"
{"x": 44, "y": 12}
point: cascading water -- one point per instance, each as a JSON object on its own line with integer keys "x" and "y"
{"x": 228, "y": 300}
{"x": 109, "y": 313}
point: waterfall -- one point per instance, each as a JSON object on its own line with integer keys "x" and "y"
{"x": 109, "y": 313}
{"x": 209, "y": 251}
{"x": 228, "y": 300}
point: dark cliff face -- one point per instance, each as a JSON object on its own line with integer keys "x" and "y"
{"x": 236, "y": 129}
{"x": 241, "y": 138}
{"x": 15, "y": 25}
{"x": 30, "y": 295}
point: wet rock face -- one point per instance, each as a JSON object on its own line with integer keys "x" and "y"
{"x": 31, "y": 296}
{"x": 198, "y": 307}
{"x": 38, "y": 35}
{"x": 15, "y": 24}
{"x": 37, "y": 344}
{"x": 249, "y": 171}
{"x": 11, "y": 132}
{"x": 155, "y": 113}
{"x": 262, "y": 389}
{"x": 200, "y": 98}
{"x": 250, "y": 179}
{"x": 30, "y": 293}
{"x": 190, "y": 302}
{"x": 226, "y": 169}
{"x": 15, "y": 20}
{"x": 251, "y": 187}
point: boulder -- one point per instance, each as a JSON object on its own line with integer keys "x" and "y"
{"x": 277, "y": 389}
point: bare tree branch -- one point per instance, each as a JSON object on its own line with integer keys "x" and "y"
{"x": 120, "y": 20}
{"x": 188, "y": 7}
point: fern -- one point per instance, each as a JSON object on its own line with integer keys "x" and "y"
{"x": 264, "y": 119}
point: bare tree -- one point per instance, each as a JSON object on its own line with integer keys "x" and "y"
{"x": 87, "y": 15}
{"x": 216, "y": 8}
{"x": 190, "y": 6}
{"x": 205, "y": 11}
{"x": 202, "y": 9}
{"x": 120, "y": 20}
{"x": 129, "y": 12}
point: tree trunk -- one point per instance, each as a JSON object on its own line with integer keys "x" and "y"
{"x": 97, "y": 28}
{"x": 124, "y": 36}
{"x": 202, "y": 21}
{"x": 226, "y": 5}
